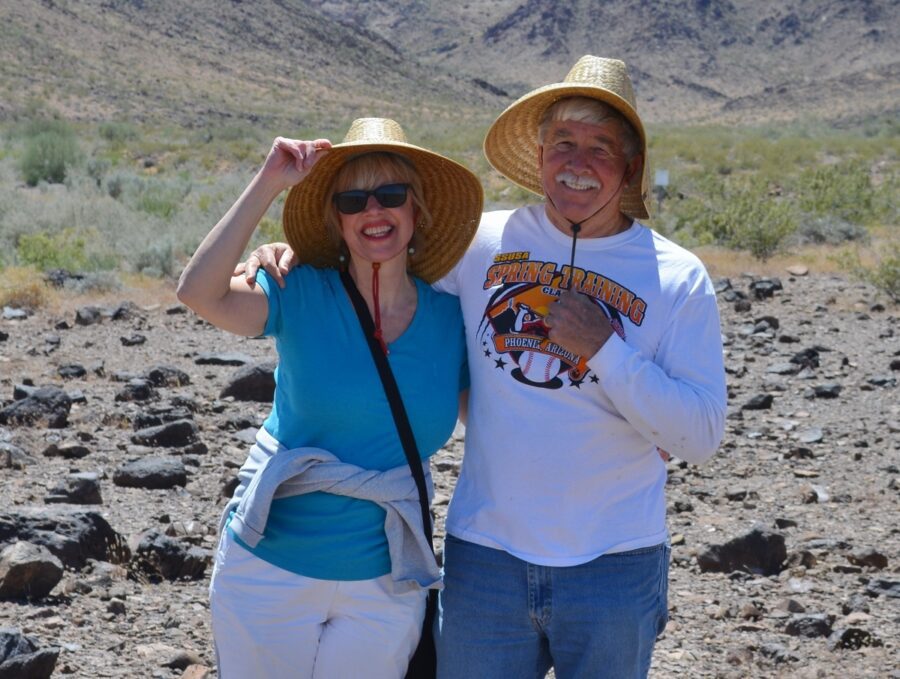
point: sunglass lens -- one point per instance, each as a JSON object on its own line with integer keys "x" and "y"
{"x": 351, "y": 202}
{"x": 391, "y": 195}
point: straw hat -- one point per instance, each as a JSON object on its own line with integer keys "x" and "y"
{"x": 511, "y": 143}
{"x": 453, "y": 195}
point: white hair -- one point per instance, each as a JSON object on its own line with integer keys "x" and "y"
{"x": 595, "y": 112}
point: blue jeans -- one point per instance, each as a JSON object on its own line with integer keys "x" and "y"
{"x": 503, "y": 617}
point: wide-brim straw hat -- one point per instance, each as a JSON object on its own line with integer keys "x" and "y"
{"x": 511, "y": 143}
{"x": 452, "y": 193}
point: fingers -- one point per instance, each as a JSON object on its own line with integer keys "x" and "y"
{"x": 304, "y": 154}
{"x": 287, "y": 260}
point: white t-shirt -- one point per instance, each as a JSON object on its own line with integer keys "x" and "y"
{"x": 561, "y": 462}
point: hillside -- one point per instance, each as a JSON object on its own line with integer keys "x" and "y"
{"x": 309, "y": 62}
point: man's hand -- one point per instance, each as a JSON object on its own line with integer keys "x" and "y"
{"x": 577, "y": 324}
{"x": 276, "y": 258}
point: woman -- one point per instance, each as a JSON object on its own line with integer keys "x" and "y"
{"x": 305, "y": 585}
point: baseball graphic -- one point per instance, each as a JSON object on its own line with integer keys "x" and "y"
{"x": 538, "y": 367}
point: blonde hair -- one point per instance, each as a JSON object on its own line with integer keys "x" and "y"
{"x": 369, "y": 171}
{"x": 595, "y": 112}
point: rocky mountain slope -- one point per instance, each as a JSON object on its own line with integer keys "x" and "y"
{"x": 786, "y": 547}
{"x": 308, "y": 61}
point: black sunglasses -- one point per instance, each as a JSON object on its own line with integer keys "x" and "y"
{"x": 387, "y": 195}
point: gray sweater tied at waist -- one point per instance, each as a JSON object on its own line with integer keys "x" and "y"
{"x": 273, "y": 471}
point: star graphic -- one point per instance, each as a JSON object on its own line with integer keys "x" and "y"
{"x": 500, "y": 363}
{"x": 487, "y": 352}
{"x": 595, "y": 379}
{"x": 576, "y": 383}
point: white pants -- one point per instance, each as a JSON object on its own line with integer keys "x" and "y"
{"x": 269, "y": 623}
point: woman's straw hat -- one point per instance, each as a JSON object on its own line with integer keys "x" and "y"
{"x": 453, "y": 195}
{"x": 511, "y": 143}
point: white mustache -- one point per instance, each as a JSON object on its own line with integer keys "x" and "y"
{"x": 574, "y": 181}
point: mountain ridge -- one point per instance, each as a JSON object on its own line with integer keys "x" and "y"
{"x": 314, "y": 61}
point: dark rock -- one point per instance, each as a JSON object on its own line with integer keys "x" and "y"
{"x": 21, "y": 658}
{"x": 852, "y": 638}
{"x": 882, "y": 381}
{"x": 742, "y": 306}
{"x": 79, "y": 488}
{"x": 167, "y": 376}
{"x": 133, "y": 340}
{"x": 252, "y": 383}
{"x": 176, "y": 309}
{"x": 783, "y": 369}
{"x": 827, "y": 390}
{"x": 808, "y": 358}
{"x": 765, "y": 287}
{"x": 136, "y": 390}
{"x": 781, "y": 522}
{"x": 3, "y": 336}
{"x": 801, "y": 557}
{"x": 857, "y": 603}
{"x": 69, "y": 450}
{"x": 759, "y": 551}
{"x": 125, "y": 311}
{"x": 869, "y": 558}
{"x": 229, "y": 358}
{"x": 759, "y": 402}
{"x": 888, "y": 588}
{"x": 159, "y": 557}
{"x": 159, "y": 415}
{"x": 13, "y": 457}
{"x": 28, "y": 571}
{"x": 152, "y": 473}
{"x": 809, "y": 625}
{"x": 71, "y": 370}
{"x": 88, "y": 315}
{"x": 681, "y": 506}
{"x": 73, "y": 535}
{"x": 46, "y": 406}
{"x": 168, "y": 435}
{"x": 777, "y": 653}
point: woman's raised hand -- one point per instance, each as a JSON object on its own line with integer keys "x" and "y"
{"x": 290, "y": 160}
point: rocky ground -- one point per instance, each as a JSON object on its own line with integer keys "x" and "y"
{"x": 786, "y": 556}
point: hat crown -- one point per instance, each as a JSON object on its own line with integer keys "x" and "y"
{"x": 608, "y": 74}
{"x": 375, "y": 131}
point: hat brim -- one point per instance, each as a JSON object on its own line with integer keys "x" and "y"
{"x": 453, "y": 194}
{"x": 511, "y": 144}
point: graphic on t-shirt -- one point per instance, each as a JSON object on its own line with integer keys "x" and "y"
{"x": 514, "y": 334}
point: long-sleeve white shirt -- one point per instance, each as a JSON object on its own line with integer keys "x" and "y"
{"x": 561, "y": 462}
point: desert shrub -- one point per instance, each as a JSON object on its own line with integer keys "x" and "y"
{"x": 883, "y": 273}
{"x": 827, "y": 229}
{"x": 23, "y": 288}
{"x": 843, "y": 190}
{"x": 95, "y": 282}
{"x": 117, "y": 132}
{"x": 62, "y": 250}
{"x": 736, "y": 213}
{"x": 50, "y": 152}
{"x": 156, "y": 260}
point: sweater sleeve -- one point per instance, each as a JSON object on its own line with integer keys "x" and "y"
{"x": 676, "y": 401}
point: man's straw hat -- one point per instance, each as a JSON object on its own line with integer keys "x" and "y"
{"x": 511, "y": 143}
{"x": 453, "y": 195}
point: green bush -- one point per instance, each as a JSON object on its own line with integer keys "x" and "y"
{"x": 736, "y": 213}
{"x": 843, "y": 190}
{"x": 49, "y": 155}
{"x": 884, "y": 274}
{"x": 62, "y": 250}
{"x": 117, "y": 133}
{"x": 157, "y": 260}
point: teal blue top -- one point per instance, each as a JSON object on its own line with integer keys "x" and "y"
{"x": 328, "y": 395}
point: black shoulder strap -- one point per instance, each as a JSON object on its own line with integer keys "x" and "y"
{"x": 393, "y": 397}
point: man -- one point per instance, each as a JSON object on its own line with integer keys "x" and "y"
{"x": 592, "y": 343}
